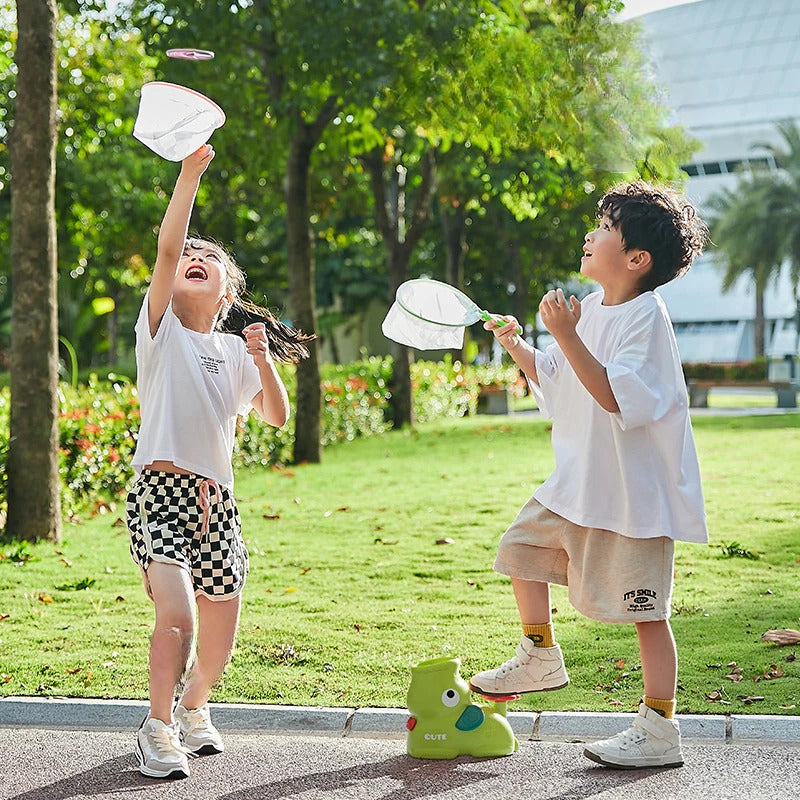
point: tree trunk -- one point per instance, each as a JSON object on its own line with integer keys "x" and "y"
{"x": 401, "y": 231}
{"x": 34, "y": 505}
{"x": 300, "y": 259}
{"x": 402, "y": 401}
{"x": 759, "y": 324}
{"x": 454, "y": 228}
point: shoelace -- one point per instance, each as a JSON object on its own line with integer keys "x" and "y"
{"x": 630, "y": 736}
{"x": 166, "y": 741}
{"x": 199, "y": 719}
{"x": 512, "y": 663}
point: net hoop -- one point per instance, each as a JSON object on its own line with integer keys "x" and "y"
{"x": 467, "y": 302}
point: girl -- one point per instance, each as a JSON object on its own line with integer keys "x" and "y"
{"x": 193, "y": 382}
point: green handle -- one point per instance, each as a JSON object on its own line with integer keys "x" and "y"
{"x": 487, "y": 317}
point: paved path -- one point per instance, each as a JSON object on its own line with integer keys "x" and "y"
{"x": 53, "y": 750}
{"x": 62, "y": 765}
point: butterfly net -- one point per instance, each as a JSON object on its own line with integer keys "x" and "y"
{"x": 429, "y": 315}
{"x": 174, "y": 121}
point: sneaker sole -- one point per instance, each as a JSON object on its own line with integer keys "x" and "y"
{"x": 206, "y": 750}
{"x": 173, "y": 774}
{"x": 478, "y": 690}
{"x": 652, "y": 765}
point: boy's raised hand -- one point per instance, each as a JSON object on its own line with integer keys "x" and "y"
{"x": 257, "y": 343}
{"x": 504, "y": 331}
{"x": 194, "y": 165}
{"x": 559, "y": 315}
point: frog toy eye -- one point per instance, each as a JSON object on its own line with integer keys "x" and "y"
{"x": 450, "y": 697}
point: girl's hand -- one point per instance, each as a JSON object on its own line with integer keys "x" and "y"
{"x": 559, "y": 315}
{"x": 257, "y": 343}
{"x": 194, "y": 165}
{"x": 505, "y": 332}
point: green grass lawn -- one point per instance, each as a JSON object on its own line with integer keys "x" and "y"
{"x": 350, "y": 585}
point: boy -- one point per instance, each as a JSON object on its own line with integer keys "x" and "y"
{"x": 626, "y": 482}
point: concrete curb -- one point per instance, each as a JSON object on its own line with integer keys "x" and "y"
{"x": 91, "y": 714}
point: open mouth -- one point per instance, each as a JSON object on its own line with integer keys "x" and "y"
{"x": 196, "y": 273}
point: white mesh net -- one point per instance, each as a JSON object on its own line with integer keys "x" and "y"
{"x": 429, "y": 315}
{"x": 402, "y": 327}
{"x": 174, "y": 121}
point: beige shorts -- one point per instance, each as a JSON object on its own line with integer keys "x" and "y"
{"x": 611, "y": 578}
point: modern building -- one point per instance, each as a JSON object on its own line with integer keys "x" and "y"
{"x": 730, "y": 72}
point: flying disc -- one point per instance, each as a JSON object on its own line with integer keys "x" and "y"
{"x": 174, "y": 121}
{"x": 190, "y": 54}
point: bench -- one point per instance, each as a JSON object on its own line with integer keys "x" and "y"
{"x": 698, "y": 390}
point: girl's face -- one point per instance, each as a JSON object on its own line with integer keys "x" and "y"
{"x": 202, "y": 276}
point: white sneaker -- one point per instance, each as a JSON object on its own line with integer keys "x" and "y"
{"x": 198, "y": 735}
{"x": 160, "y": 752}
{"x": 533, "y": 669}
{"x": 652, "y": 741}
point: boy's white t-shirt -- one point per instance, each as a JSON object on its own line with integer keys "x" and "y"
{"x": 192, "y": 387}
{"x": 634, "y": 472}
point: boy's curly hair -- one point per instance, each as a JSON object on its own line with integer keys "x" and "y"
{"x": 659, "y": 220}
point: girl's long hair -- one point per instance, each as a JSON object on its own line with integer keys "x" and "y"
{"x": 285, "y": 342}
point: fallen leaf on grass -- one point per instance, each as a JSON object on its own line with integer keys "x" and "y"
{"x": 5, "y": 678}
{"x": 74, "y": 671}
{"x": 620, "y": 664}
{"x": 774, "y": 671}
{"x": 66, "y": 562}
{"x": 736, "y": 675}
{"x": 44, "y": 598}
{"x": 305, "y": 571}
{"x": 271, "y": 516}
{"x": 717, "y": 696}
{"x": 782, "y": 636}
{"x": 290, "y": 589}
{"x": 343, "y": 508}
{"x": 4, "y": 617}
{"x": 748, "y": 701}
{"x": 446, "y": 540}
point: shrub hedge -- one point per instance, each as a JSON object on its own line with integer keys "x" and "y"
{"x": 99, "y": 420}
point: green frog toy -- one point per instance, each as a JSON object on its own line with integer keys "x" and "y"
{"x": 444, "y": 723}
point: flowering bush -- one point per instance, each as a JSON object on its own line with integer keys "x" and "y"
{"x": 99, "y": 421}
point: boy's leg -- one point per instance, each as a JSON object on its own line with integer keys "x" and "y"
{"x": 659, "y": 665}
{"x": 654, "y": 739}
{"x": 533, "y": 602}
{"x": 170, "y": 647}
{"x": 218, "y": 622}
{"x": 538, "y": 664}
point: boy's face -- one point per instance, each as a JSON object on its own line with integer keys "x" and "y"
{"x": 605, "y": 260}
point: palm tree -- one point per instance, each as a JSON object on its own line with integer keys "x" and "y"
{"x": 756, "y": 225}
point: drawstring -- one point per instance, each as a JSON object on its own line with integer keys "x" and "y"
{"x": 205, "y": 501}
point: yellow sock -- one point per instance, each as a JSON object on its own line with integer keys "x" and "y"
{"x": 540, "y": 635}
{"x": 664, "y": 707}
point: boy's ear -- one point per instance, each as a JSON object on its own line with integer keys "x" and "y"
{"x": 640, "y": 261}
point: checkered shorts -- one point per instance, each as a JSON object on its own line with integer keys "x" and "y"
{"x": 168, "y": 523}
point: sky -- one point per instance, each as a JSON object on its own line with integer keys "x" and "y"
{"x": 634, "y": 8}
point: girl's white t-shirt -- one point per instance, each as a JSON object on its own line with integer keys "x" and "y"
{"x": 192, "y": 387}
{"x": 634, "y": 472}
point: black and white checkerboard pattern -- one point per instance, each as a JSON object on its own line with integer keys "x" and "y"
{"x": 165, "y": 521}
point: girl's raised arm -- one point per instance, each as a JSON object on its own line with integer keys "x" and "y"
{"x": 172, "y": 234}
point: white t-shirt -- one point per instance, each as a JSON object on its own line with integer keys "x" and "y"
{"x": 634, "y": 472}
{"x": 192, "y": 386}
